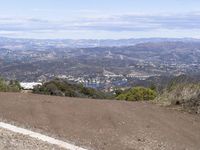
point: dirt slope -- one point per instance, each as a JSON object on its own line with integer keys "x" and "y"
{"x": 104, "y": 125}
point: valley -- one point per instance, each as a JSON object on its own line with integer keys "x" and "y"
{"x": 98, "y": 67}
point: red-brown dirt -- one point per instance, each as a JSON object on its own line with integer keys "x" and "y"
{"x": 103, "y": 124}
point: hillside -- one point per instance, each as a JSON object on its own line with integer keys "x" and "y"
{"x": 40, "y": 62}
{"x": 60, "y": 87}
{"x": 186, "y": 96}
{"x": 103, "y": 124}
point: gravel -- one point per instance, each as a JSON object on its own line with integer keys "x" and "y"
{"x": 14, "y": 141}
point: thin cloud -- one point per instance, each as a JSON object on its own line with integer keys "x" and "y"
{"x": 114, "y": 23}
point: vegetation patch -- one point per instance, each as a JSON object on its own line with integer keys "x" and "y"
{"x": 137, "y": 94}
{"x": 184, "y": 95}
{"x": 9, "y": 86}
{"x": 60, "y": 87}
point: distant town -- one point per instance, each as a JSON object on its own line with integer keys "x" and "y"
{"x": 100, "y": 64}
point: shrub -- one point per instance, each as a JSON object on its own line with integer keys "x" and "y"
{"x": 9, "y": 86}
{"x": 184, "y": 95}
{"x": 138, "y": 94}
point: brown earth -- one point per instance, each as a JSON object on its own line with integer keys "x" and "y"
{"x": 14, "y": 141}
{"x": 103, "y": 125}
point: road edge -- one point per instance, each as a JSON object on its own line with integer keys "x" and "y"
{"x": 40, "y": 137}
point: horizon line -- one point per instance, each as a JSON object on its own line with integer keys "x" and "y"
{"x": 131, "y": 38}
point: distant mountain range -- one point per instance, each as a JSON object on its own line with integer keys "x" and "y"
{"x": 17, "y": 43}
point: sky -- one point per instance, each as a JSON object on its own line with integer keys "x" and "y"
{"x": 99, "y": 19}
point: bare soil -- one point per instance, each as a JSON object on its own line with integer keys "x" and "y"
{"x": 14, "y": 141}
{"x": 104, "y": 125}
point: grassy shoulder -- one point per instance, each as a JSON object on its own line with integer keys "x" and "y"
{"x": 184, "y": 95}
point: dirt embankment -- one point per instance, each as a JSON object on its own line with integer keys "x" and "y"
{"x": 103, "y": 125}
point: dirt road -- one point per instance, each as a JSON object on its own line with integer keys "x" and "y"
{"x": 103, "y": 125}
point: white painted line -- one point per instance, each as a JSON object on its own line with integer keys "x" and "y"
{"x": 39, "y": 136}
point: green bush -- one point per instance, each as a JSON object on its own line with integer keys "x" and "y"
{"x": 9, "y": 86}
{"x": 138, "y": 94}
{"x": 59, "y": 87}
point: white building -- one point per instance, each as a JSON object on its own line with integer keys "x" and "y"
{"x": 29, "y": 85}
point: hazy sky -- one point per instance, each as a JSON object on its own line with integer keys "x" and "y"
{"x": 99, "y": 19}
